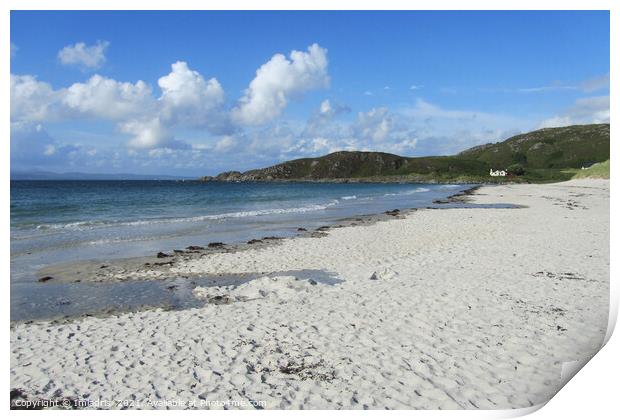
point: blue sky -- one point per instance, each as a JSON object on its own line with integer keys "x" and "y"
{"x": 195, "y": 93}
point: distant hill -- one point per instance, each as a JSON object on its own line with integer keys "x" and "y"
{"x": 564, "y": 147}
{"x": 80, "y": 176}
{"x": 358, "y": 165}
{"x": 540, "y": 155}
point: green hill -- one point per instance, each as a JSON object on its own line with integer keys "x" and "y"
{"x": 550, "y": 154}
{"x": 565, "y": 147}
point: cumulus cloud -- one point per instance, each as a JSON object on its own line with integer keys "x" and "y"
{"x": 147, "y": 134}
{"x": 374, "y": 125}
{"x": 328, "y": 110}
{"x": 33, "y": 147}
{"x": 105, "y": 98}
{"x": 186, "y": 95}
{"x": 319, "y": 123}
{"x": 187, "y": 99}
{"x": 225, "y": 144}
{"x": 592, "y": 110}
{"x": 31, "y": 100}
{"x": 99, "y": 97}
{"x": 442, "y": 130}
{"x": 88, "y": 57}
{"x": 279, "y": 80}
{"x": 314, "y": 147}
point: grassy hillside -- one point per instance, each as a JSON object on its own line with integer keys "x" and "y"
{"x": 368, "y": 164}
{"x": 550, "y": 154}
{"x": 598, "y": 170}
{"x": 565, "y": 147}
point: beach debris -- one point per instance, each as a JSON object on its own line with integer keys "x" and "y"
{"x": 215, "y": 297}
{"x": 159, "y": 264}
{"x": 215, "y": 244}
{"x": 385, "y": 274}
{"x": 300, "y": 229}
{"x": 559, "y": 276}
{"x": 318, "y": 234}
{"x": 45, "y": 278}
{"x": 395, "y": 212}
{"x": 196, "y": 247}
{"x": 178, "y": 251}
{"x": 322, "y": 228}
{"x": 162, "y": 255}
{"x": 317, "y": 371}
{"x": 254, "y": 241}
{"x": 271, "y": 238}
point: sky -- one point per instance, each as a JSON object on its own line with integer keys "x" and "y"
{"x": 199, "y": 92}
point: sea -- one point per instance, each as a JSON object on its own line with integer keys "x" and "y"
{"x": 64, "y": 221}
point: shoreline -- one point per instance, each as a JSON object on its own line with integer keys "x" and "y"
{"x": 404, "y": 179}
{"x": 156, "y": 269}
{"x": 463, "y": 308}
{"x": 134, "y": 268}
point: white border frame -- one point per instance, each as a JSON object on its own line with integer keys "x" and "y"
{"x": 593, "y": 392}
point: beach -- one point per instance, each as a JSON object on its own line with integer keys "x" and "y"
{"x": 456, "y": 308}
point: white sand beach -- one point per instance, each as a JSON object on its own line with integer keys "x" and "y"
{"x": 452, "y": 308}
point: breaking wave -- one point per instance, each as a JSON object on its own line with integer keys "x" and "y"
{"x": 90, "y": 224}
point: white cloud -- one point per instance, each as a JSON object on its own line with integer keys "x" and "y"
{"x": 326, "y": 107}
{"x": 50, "y": 149}
{"x": 187, "y": 96}
{"x": 441, "y": 130}
{"x": 147, "y": 134}
{"x": 99, "y": 97}
{"x": 415, "y": 87}
{"x": 587, "y": 86}
{"x": 84, "y": 56}
{"x": 33, "y": 147}
{"x": 374, "y": 125}
{"x": 105, "y": 98}
{"x": 550, "y": 88}
{"x": 279, "y": 80}
{"x": 314, "y": 147}
{"x": 403, "y": 147}
{"x": 592, "y": 110}
{"x": 225, "y": 144}
{"x": 31, "y": 100}
{"x": 423, "y": 109}
{"x": 596, "y": 83}
{"x": 14, "y": 49}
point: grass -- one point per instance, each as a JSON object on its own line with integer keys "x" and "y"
{"x": 598, "y": 170}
